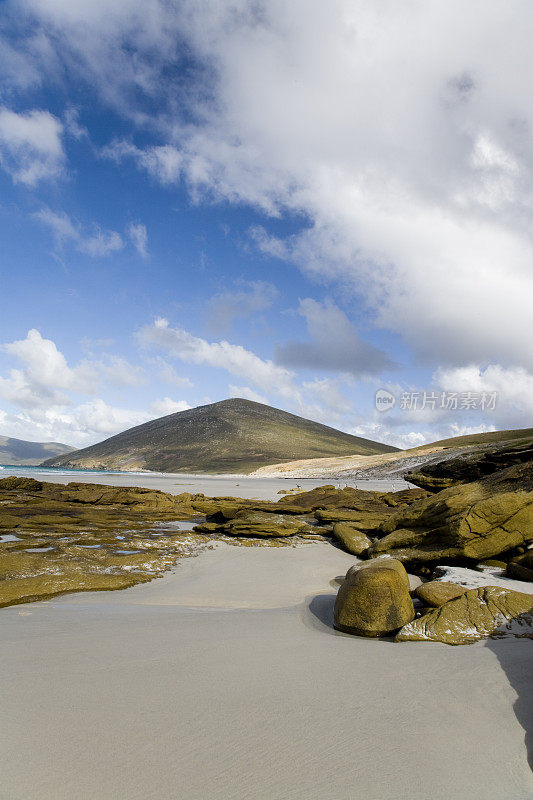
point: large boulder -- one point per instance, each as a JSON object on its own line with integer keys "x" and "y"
{"x": 374, "y": 599}
{"x": 352, "y": 539}
{"x": 475, "y": 615}
{"x": 436, "y": 593}
{"x": 472, "y": 521}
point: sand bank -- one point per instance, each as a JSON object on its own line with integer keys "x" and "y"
{"x": 225, "y": 680}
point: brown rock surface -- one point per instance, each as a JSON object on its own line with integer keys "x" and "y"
{"x": 477, "y": 614}
{"x": 436, "y": 593}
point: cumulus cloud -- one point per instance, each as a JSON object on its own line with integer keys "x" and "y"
{"x": 225, "y": 307}
{"x": 31, "y": 146}
{"x": 45, "y": 379}
{"x": 95, "y": 243}
{"x": 336, "y": 345}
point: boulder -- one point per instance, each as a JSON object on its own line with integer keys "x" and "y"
{"x": 473, "y": 521}
{"x": 436, "y": 593}
{"x": 352, "y": 539}
{"x": 477, "y": 614}
{"x": 374, "y": 599}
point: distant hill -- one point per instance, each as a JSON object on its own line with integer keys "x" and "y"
{"x": 491, "y": 437}
{"x": 231, "y": 436}
{"x": 19, "y": 453}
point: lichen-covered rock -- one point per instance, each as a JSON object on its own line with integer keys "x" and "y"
{"x": 258, "y": 523}
{"x": 436, "y": 593}
{"x": 471, "y": 521}
{"x": 374, "y": 599}
{"x": 475, "y": 615}
{"x": 352, "y": 539}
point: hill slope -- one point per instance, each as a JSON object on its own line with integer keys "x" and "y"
{"x": 19, "y": 453}
{"x": 231, "y": 436}
{"x": 491, "y": 437}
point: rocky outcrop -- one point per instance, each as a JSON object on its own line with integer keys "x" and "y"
{"x": 436, "y": 593}
{"x": 374, "y": 599}
{"x": 352, "y": 539}
{"x": 471, "y": 521}
{"x": 484, "y": 461}
{"x": 478, "y": 613}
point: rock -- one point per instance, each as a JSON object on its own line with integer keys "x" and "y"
{"x": 436, "y": 593}
{"x": 521, "y": 567}
{"x": 374, "y": 599}
{"x": 364, "y": 520}
{"x": 471, "y": 521}
{"x": 352, "y": 539}
{"x": 21, "y": 484}
{"x": 490, "y": 564}
{"x": 258, "y": 523}
{"x": 475, "y": 615}
{"x": 484, "y": 461}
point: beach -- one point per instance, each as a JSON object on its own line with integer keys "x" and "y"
{"x": 225, "y": 679}
{"x": 261, "y": 488}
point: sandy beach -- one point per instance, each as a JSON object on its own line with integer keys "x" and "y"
{"x": 224, "y": 679}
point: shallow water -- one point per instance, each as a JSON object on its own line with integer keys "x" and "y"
{"x": 211, "y": 485}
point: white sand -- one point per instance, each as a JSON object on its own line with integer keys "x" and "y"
{"x": 224, "y": 680}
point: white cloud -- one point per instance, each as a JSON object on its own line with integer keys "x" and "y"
{"x": 139, "y": 237}
{"x": 168, "y": 406}
{"x": 414, "y": 174}
{"x": 46, "y": 380}
{"x": 163, "y": 162}
{"x": 31, "y": 147}
{"x": 513, "y": 387}
{"x": 167, "y": 373}
{"x": 234, "y": 358}
{"x": 247, "y": 393}
{"x": 95, "y": 243}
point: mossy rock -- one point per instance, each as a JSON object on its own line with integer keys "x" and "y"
{"x": 473, "y": 521}
{"x": 436, "y": 593}
{"x": 477, "y": 614}
{"x": 352, "y": 539}
{"x": 374, "y": 600}
{"x": 257, "y": 523}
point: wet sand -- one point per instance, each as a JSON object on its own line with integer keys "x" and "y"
{"x": 224, "y": 679}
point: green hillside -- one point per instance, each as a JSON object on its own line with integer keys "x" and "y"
{"x": 231, "y": 436}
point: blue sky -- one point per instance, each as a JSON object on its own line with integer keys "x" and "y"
{"x": 207, "y": 200}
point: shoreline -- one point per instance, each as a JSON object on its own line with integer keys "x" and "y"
{"x": 224, "y": 679}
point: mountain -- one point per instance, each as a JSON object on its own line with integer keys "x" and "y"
{"x": 19, "y": 453}
{"x": 231, "y": 436}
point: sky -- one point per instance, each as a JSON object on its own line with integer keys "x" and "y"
{"x": 302, "y": 204}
